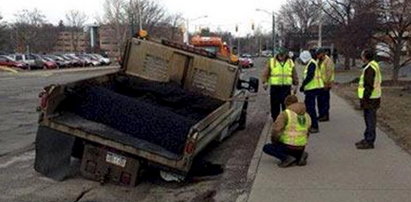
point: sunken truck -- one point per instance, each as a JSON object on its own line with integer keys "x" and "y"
{"x": 167, "y": 102}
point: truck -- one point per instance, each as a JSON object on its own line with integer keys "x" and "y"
{"x": 164, "y": 105}
{"x": 216, "y": 46}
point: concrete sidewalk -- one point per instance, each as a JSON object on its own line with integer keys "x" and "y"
{"x": 336, "y": 170}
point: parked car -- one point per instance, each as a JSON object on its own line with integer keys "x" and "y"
{"x": 42, "y": 63}
{"x": 27, "y": 59}
{"x": 246, "y": 62}
{"x": 78, "y": 61}
{"x": 90, "y": 61}
{"x": 10, "y": 62}
{"x": 246, "y": 55}
{"x": 61, "y": 62}
{"x": 103, "y": 60}
{"x": 49, "y": 63}
{"x": 74, "y": 62}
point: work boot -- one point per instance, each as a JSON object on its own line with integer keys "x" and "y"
{"x": 324, "y": 119}
{"x": 360, "y": 142}
{"x": 287, "y": 162}
{"x": 303, "y": 159}
{"x": 314, "y": 130}
{"x": 365, "y": 145}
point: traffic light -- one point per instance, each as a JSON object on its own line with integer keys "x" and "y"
{"x": 236, "y": 28}
{"x": 252, "y": 26}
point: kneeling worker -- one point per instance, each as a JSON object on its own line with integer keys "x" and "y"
{"x": 289, "y": 134}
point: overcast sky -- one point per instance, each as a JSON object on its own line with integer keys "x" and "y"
{"x": 223, "y": 14}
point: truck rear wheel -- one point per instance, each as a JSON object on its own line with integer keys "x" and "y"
{"x": 242, "y": 122}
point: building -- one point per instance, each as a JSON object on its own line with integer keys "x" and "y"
{"x": 108, "y": 42}
{"x": 69, "y": 41}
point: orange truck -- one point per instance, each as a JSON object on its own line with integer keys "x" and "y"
{"x": 214, "y": 45}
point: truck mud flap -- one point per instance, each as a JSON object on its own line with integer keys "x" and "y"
{"x": 53, "y": 153}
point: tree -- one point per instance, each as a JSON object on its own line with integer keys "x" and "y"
{"x": 394, "y": 32}
{"x": 4, "y": 35}
{"x": 122, "y": 17}
{"x": 76, "y": 20}
{"x": 355, "y": 21}
{"x": 26, "y": 29}
{"x": 115, "y": 22}
{"x": 297, "y": 17}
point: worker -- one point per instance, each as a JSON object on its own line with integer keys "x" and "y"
{"x": 289, "y": 134}
{"x": 280, "y": 75}
{"x": 327, "y": 74}
{"x": 312, "y": 86}
{"x": 369, "y": 93}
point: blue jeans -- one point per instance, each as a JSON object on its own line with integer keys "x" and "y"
{"x": 324, "y": 103}
{"x": 310, "y": 97}
{"x": 281, "y": 151}
{"x": 370, "y": 118}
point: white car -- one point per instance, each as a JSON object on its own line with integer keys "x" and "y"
{"x": 103, "y": 60}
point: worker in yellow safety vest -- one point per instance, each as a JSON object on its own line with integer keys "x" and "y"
{"x": 289, "y": 134}
{"x": 327, "y": 73}
{"x": 369, "y": 93}
{"x": 312, "y": 86}
{"x": 279, "y": 75}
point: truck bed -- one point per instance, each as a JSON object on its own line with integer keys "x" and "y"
{"x": 159, "y": 113}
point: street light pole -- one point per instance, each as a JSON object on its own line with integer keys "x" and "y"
{"x": 273, "y": 27}
{"x": 140, "y": 23}
{"x": 320, "y": 24}
{"x": 274, "y": 38}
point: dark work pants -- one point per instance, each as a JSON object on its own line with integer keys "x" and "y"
{"x": 281, "y": 151}
{"x": 324, "y": 103}
{"x": 370, "y": 117}
{"x": 277, "y": 98}
{"x": 310, "y": 97}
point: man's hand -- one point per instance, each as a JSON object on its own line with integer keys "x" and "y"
{"x": 302, "y": 89}
{"x": 265, "y": 85}
{"x": 294, "y": 90}
{"x": 328, "y": 86}
{"x": 274, "y": 139}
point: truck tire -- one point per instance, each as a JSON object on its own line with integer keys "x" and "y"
{"x": 242, "y": 122}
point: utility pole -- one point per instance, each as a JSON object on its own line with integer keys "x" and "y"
{"x": 320, "y": 23}
{"x": 140, "y": 23}
{"x": 274, "y": 38}
{"x": 131, "y": 16}
{"x": 274, "y": 43}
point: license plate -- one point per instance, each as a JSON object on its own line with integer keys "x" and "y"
{"x": 116, "y": 159}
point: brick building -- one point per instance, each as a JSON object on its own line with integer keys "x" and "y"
{"x": 72, "y": 42}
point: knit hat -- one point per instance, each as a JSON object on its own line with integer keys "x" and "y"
{"x": 305, "y": 56}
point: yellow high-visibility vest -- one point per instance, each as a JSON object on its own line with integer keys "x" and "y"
{"x": 296, "y": 130}
{"x": 281, "y": 74}
{"x": 317, "y": 82}
{"x": 327, "y": 72}
{"x": 376, "y": 93}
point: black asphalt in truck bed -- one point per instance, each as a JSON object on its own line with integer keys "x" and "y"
{"x": 160, "y": 113}
{"x": 74, "y": 121}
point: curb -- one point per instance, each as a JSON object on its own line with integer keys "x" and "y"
{"x": 255, "y": 161}
{"x": 54, "y": 71}
{"x": 69, "y": 70}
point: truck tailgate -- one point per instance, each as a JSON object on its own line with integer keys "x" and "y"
{"x": 72, "y": 122}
